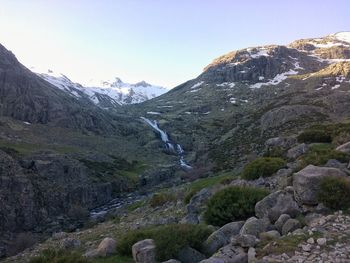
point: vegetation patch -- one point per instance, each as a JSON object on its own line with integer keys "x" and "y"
{"x": 262, "y": 167}
{"x": 319, "y": 154}
{"x": 58, "y": 256}
{"x": 199, "y": 184}
{"x": 169, "y": 239}
{"x": 335, "y": 193}
{"x": 162, "y": 198}
{"x": 232, "y": 204}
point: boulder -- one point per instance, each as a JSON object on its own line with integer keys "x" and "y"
{"x": 251, "y": 255}
{"x": 106, "y": 247}
{"x": 297, "y": 151}
{"x": 306, "y": 182}
{"x": 254, "y": 226}
{"x": 244, "y": 241}
{"x": 228, "y": 254}
{"x": 276, "y": 204}
{"x": 281, "y": 221}
{"x": 335, "y": 164}
{"x": 171, "y": 261}
{"x": 222, "y": 236}
{"x": 345, "y": 148}
{"x": 190, "y": 255}
{"x": 284, "y": 178}
{"x": 290, "y": 225}
{"x": 144, "y": 251}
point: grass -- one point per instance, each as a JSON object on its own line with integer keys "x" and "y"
{"x": 200, "y": 184}
{"x": 136, "y": 205}
{"x": 319, "y": 154}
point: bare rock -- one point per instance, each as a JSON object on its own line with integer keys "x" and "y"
{"x": 306, "y": 182}
{"x": 290, "y": 225}
{"x": 345, "y": 148}
{"x": 297, "y": 151}
{"x": 144, "y": 251}
{"x": 107, "y": 247}
{"x": 190, "y": 255}
{"x": 254, "y": 226}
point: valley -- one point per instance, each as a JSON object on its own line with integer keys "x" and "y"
{"x": 80, "y": 163}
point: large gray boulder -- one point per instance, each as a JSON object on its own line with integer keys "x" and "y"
{"x": 228, "y": 254}
{"x": 244, "y": 241}
{"x": 290, "y": 225}
{"x": 190, "y": 255}
{"x": 276, "y": 204}
{"x": 107, "y": 247}
{"x": 222, "y": 237}
{"x": 281, "y": 221}
{"x": 306, "y": 183}
{"x": 254, "y": 226}
{"x": 345, "y": 148}
{"x": 144, "y": 251}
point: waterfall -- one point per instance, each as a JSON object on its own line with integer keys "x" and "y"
{"x": 175, "y": 148}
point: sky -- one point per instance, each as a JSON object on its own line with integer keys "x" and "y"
{"x": 161, "y": 41}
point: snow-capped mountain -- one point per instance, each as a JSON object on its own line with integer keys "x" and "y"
{"x": 106, "y": 94}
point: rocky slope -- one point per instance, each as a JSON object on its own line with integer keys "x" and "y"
{"x": 249, "y": 95}
{"x": 105, "y": 94}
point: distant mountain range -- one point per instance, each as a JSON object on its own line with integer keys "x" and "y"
{"x": 105, "y": 94}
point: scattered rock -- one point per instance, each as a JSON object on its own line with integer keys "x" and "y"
{"x": 144, "y": 251}
{"x": 222, "y": 236}
{"x": 251, "y": 255}
{"x": 228, "y": 254}
{"x": 106, "y": 247}
{"x": 297, "y": 151}
{"x": 281, "y": 221}
{"x": 290, "y": 225}
{"x": 322, "y": 241}
{"x": 190, "y": 255}
{"x": 306, "y": 248}
{"x": 276, "y": 204}
{"x": 59, "y": 235}
{"x": 307, "y": 181}
{"x": 311, "y": 241}
{"x": 244, "y": 241}
{"x": 254, "y": 226}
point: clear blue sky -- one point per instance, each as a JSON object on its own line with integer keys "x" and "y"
{"x": 161, "y": 41}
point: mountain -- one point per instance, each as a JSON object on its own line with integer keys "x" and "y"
{"x": 244, "y": 97}
{"x": 105, "y": 94}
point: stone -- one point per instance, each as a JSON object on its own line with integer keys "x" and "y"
{"x": 254, "y": 226}
{"x": 144, "y": 251}
{"x": 244, "y": 241}
{"x": 284, "y": 178}
{"x": 106, "y": 247}
{"x": 290, "y": 225}
{"x": 281, "y": 221}
{"x": 228, "y": 254}
{"x": 190, "y": 255}
{"x": 321, "y": 241}
{"x": 251, "y": 255}
{"x": 306, "y": 248}
{"x": 273, "y": 234}
{"x": 311, "y": 241}
{"x": 222, "y": 236}
{"x": 297, "y": 151}
{"x": 276, "y": 204}
{"x": 70, "y": 243}
{"x": 345, "y": 148}
{"x": 172, "y": 261}
{"x": 306, "y": 182}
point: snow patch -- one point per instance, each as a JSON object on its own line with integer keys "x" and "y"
{"x": 153, "y": 113}
{"x": 197, "y": 85}
{"x": 276, "y": 80}
{"x": 343, "y": 36}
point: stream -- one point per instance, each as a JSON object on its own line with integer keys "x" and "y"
{"x": 168, "y": 144}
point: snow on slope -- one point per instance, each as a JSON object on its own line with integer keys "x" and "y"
{"x": 116, "y": 91}
{"x": 343, "y": 36}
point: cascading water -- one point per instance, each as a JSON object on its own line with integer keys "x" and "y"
{"x": 170, "y": 146}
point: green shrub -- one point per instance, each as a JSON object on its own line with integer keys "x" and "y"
{"x": 319, "y": 154}
{"x": 232, "y": 204}
{"x": 335, "y": 193}
{"x": 58, "y": 256}
{"x": 169, "y": 239}
{"x": 310, "y": 136}
{"x": 160, "y": 199}
{"x": 263, "y": 166}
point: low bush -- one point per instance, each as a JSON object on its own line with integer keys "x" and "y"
{"x": 263, "y": 166}
{"x": 169, "y": 239}
{"x": 334, "y": 193}
{"x": 232, "y": 204}
{"x": 58, "y": 256}
{"x": 314, "y": 135}
{"x": 160, "y": 199}
{"x": 319, "y": 154}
